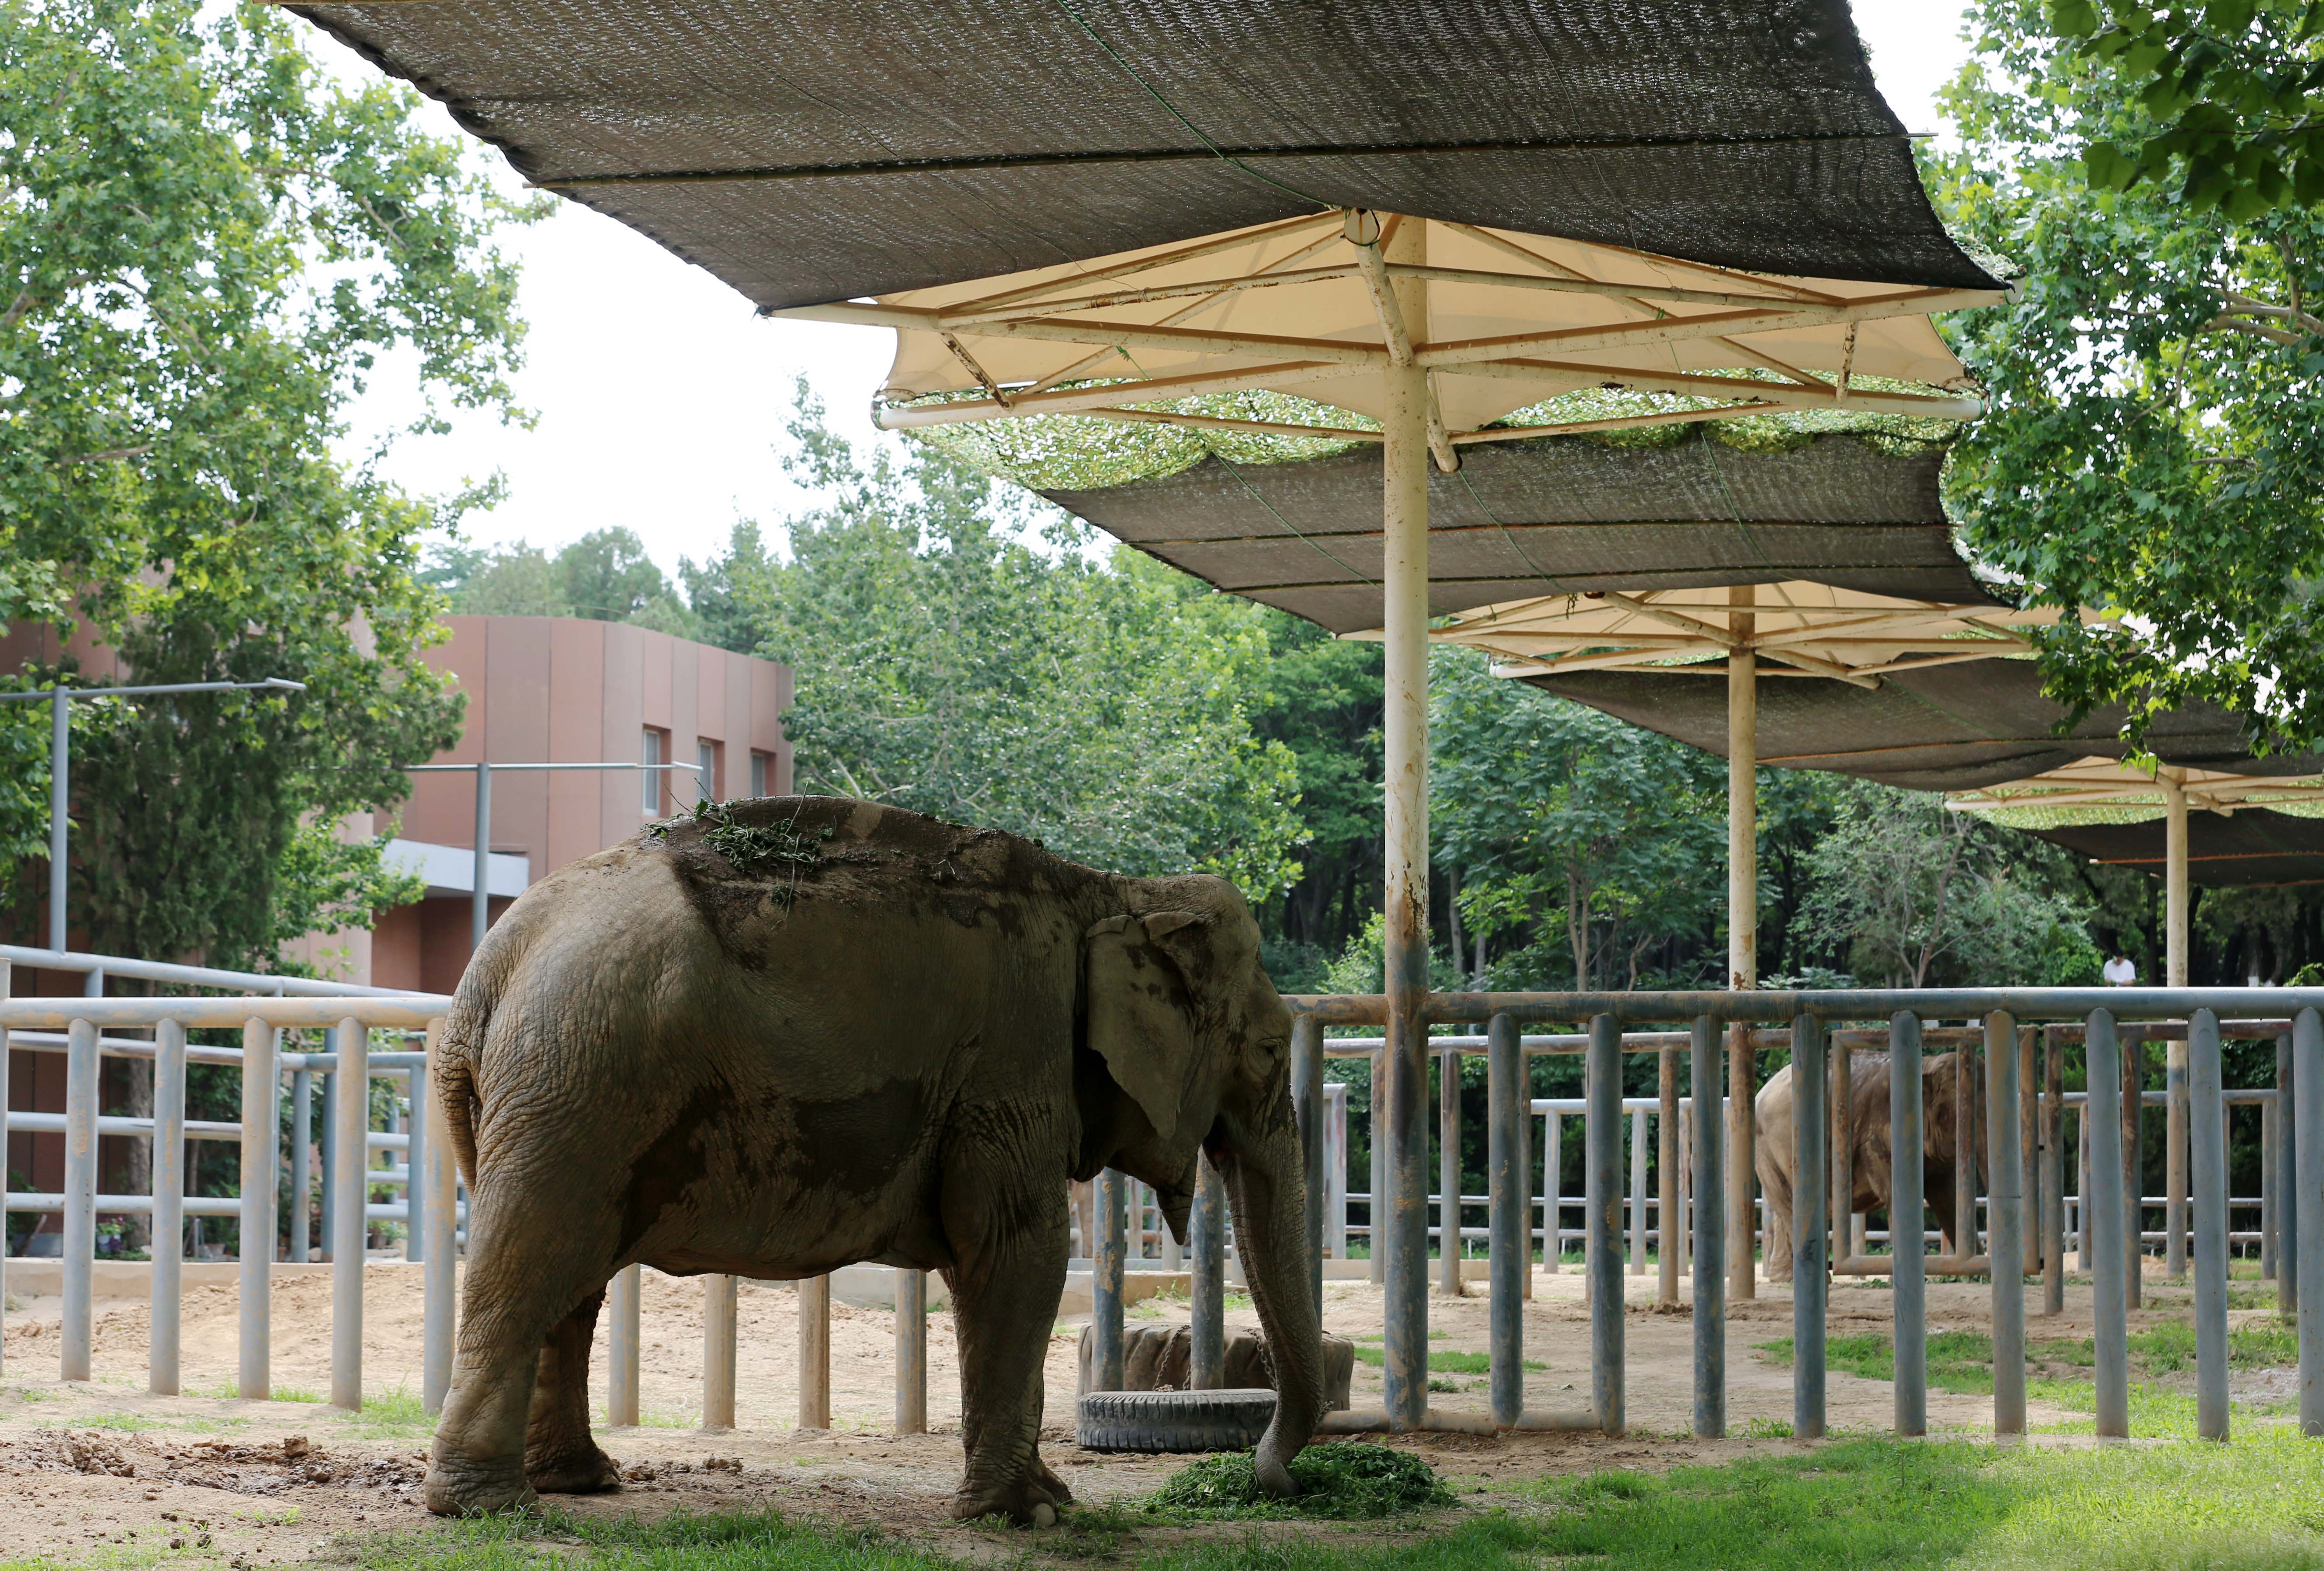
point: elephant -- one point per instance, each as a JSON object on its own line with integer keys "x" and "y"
{"x": 1772, "y": 1151}
{"x": 787, "y": 1034}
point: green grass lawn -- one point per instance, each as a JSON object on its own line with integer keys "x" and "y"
{"x": 1442, "y": 1361}
{"x": 2256, "y": 1505}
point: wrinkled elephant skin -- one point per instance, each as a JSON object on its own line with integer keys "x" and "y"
{"x": 1771, "y": 1157}
{"x": 824, "y": 1031}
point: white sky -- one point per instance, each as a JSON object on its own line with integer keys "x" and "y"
{"x": 660, "y": 396}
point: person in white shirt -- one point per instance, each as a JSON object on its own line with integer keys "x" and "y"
{"x": 2120, "y": 970}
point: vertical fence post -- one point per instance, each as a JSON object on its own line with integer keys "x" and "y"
{"x": 1965, "y": 1116}
{"x": 79, "y": 1239}
{"x": 2174, "y": 1159}
{"x": 2133, "y": 1166}
{"x": 1840, "y": 1153}
{"x": 350, "y": 1136}
{"x": 1602, "y": 1135}
{"x": 1743, "y": 1084}
{"x": 2029, "y": 1149}
{"x": 622, "y": 1327}
{"x": 2082, "y": 1185}
{"x": 2308, "y": 1210}
{"x": 1335, "y": 1169}
{"x": 1667, "y": 1222}
{"x": 815, "y": 1353}
{"x": 169, "y": 1168}
{"x": 2206, "y": 1142}
{"x": 260, "y": 1085}
{"x": 2108, "y": 1216}
{"x": 2270, "y": 1202}
{"x": 1908, "y": 1246}
{"x": 1639, "y": 1192}
{"x": 1709, "y": 1237}
{"x": 911, "y": 1351}
{"x": 1506, "y": 1253}
{"x": 415, "y": 1168}
{"x": 1811, "y": 1130}
{"x": 1105, "y": 1278}
{"x": 1553, "y": 1180}
{"x": 2005, "y": 1219}
{"x": 2054, "y": 1176}
{"x": 439, "y": 1275}
{"x": 1307, "y": 1107}
{"x": 1376, "y": 1210}
{"x": 1448, "y": 1174}
{"x": 302, "y": 1158}
{"x": 2290, "y": 1121}
{"x": 718, "y": 1306}
{"x": 327, "y": 1223}
{"x": 1207, "y": 1293}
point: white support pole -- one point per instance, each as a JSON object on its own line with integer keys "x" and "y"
{"x": 1742, "y": 935}
{"x": 79, "y": 1239}
{"x": 911, "y": 1351}
{"x": 169, "y": 1172}
{"x": 440, "y": 1261}
{"x": 815, "y": 1353}
{"x": 1405, "y": 863}
{"x": 351, "y": 1149}
{"x": 261, "y": 1137}
{"x": 718, "y": 1351}
{"x": 622, "y": 1338}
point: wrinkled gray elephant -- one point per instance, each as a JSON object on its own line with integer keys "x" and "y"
{"x": 797, "y": 1032}
{"x": 1771, "y": 1114}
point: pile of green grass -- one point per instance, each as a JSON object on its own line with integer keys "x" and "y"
{"x": 1348, "y": 1482}
{"x": 1444, "y": 1361}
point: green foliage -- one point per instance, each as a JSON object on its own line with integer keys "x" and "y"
{"x": 1967, "y": 1507}
{"x": 756, "y": 848}
{"x": 964, "y": 659}
{"x": 1905, "y": 890}
{"x": 2233, "y": 89}
{"x": 605, "y": 576}
{"x": 1347, "y": 1481}
{"x": 207, "y": 249}
{"x": 1614, "y": 847}
{"x": 2155, "y": 447}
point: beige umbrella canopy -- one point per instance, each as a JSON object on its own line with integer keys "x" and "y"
{"x": 2113, "y": 791}
{"x": 1799, "y": 628}
{"x": 1312, "y": 305}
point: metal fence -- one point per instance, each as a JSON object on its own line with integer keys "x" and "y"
{"x": 1698, "y": 1206}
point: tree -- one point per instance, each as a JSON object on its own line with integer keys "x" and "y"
{"x": 1905, "y": 890}
{"x": 2155, "y": 445}
{"x": 605, "y": 576}
{"x": 966, "y": 658}
{"x": 1565, "y": 825}
{"x": 205, "y": 251}
{"x": 2234, "y": 91}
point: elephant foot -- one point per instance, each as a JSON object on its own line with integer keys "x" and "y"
{"x": 455, "y": 1487}
{"x": 580, "y": 1470}
{"x": 1030, "y": 1501}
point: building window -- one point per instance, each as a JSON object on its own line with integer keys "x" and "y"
{"x": 706, "y": 778}
{"x": 649, "y": 791}
{"x": 762, "y": 770}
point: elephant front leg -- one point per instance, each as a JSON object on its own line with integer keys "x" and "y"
{"x": 1010, "y": 1241}
{"x": 559, "y": 1457}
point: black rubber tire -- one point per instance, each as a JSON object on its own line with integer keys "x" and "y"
{"x": 1217, "y": 1420}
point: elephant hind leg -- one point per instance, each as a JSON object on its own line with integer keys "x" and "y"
{"x": 559, "y": 1457}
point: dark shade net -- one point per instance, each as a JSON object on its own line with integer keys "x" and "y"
{"x": 1548, "y": 516}
{"x": 2249, "y": 848}
{"x": 1947, "y": 728}
{"x": 897, "y": 145}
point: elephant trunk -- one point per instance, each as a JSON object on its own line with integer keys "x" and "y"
{"x": 1266, "y": 1184}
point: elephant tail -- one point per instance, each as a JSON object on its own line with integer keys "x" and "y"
{"x": 455, "y": 1079}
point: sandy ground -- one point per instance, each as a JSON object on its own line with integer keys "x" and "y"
{"x": 104, "y": 1470}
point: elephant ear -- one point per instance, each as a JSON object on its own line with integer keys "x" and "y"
{"x": 1141, "y": 1010}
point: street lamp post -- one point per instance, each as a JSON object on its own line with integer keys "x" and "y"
{"x": 479, "y": 895}
{"x": 60, "y": 699}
